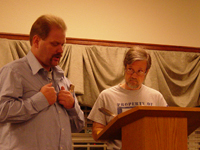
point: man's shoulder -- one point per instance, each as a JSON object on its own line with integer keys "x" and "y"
{"x": 150, "y": 90}
{"x": 16, "y": 64}
{"x": 112, "y": 89}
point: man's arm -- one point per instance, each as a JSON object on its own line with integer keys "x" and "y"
{"x": 76, "y": 117}
{"x": 96, "y": 129}
{"x": 70, "y": 103}
{"x": 13, "y": 107}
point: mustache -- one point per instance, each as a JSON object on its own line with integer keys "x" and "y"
{"x": 59, "y": 55}
{"x": 133, "y": 79}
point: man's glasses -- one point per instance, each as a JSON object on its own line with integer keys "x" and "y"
{"x": 139, "y": 72}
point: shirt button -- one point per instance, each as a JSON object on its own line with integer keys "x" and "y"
{"x": 59, "y": 112}
{"x": 61, "y": 148}
{"x": 63, "y": 129}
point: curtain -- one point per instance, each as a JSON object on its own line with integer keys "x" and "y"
{"x": 94, "y": 68}
{"x": 177, "y": 76}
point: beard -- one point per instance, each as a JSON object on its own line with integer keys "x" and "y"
{"x": 58, "y": 56}
{"x": 55, "y": 57}
{"x": 132, "y": 83}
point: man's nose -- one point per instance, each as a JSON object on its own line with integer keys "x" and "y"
{"x": 60, "y": 49}
{"x": 134, "y": 74}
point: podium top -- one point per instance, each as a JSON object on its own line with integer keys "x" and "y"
{"x": 113, "y": 129}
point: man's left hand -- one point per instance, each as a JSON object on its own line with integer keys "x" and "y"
{"x": 65, "y": 98}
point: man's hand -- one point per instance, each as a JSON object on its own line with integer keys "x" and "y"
{"x": 65, "y": 98}
{"x": 50, "y": 93}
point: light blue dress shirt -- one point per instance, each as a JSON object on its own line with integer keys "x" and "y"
{"x": 27, "y": 121}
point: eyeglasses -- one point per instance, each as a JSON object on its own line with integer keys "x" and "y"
{"x": 139, "y": 72}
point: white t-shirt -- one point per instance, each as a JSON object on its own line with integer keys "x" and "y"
{"x": 117, "y": 100}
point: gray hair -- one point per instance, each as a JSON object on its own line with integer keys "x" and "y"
{"x": 137, "y": 53}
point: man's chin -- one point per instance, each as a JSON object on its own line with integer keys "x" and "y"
{"x": 55, "y": 63}
{"x": 133, "y": 87}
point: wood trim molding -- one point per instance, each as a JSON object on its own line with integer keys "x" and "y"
{"x": 109, "y": 43}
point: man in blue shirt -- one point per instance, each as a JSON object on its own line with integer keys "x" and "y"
{"x": 37, "y": 110}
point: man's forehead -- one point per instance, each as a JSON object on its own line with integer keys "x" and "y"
{"x": 138, "y": 63}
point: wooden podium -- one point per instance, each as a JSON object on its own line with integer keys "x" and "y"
{"x": 153, "y": 128}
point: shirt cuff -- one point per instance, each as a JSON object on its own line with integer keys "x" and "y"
{"x": 73, "y": 111}
{"x": 39, "y": 101}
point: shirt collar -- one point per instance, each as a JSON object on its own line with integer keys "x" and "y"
{"x": 34, "y": 63}
{"x": 36, "y": 66}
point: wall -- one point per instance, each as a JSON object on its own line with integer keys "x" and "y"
{"x": 168, "y": 22}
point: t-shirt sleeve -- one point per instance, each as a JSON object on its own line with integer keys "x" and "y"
{"x": 95, "y": 115}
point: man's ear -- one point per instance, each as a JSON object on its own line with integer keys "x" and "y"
{"x": 35, "y": 41}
